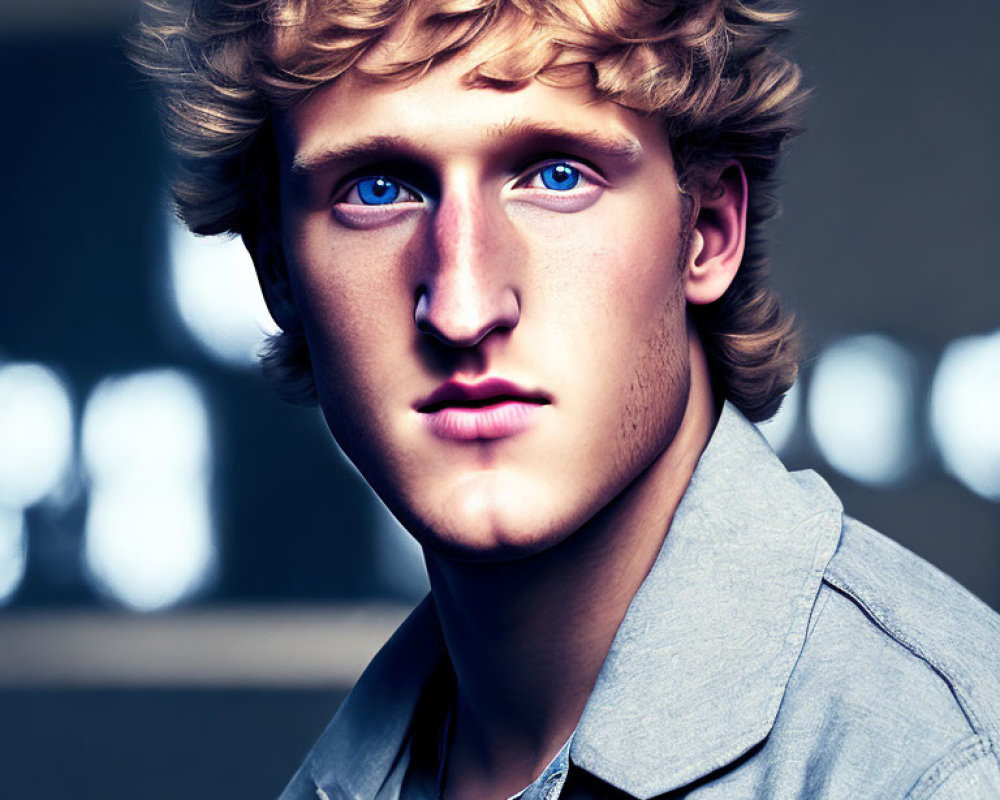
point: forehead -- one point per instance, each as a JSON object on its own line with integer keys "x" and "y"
{"x": 443, "y": 112}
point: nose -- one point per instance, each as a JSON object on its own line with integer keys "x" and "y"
{"x": 467, "y": 286}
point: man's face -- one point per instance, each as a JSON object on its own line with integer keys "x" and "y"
{"x": 490, "y": 284}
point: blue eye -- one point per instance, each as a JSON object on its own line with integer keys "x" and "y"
{"x": 377, "y": 191}
{"x": 560, "y": 177}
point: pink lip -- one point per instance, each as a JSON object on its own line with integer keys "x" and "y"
{"x": 490, "y": 409}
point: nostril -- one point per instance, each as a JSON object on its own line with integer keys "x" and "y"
{"x": 464, "y": 321}
{"x": 421, "y": 312}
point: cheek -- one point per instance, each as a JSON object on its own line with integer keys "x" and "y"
{"x": 635, "y": 323}
{"x": 630, "y": 242}
{"x": 356, "y": 330}
{"x": 656, "y": 395}
{"x": 620, "y": 290}
{"x": 348, "y": 290}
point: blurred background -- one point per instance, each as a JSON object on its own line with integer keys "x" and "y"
{"x": 191, "y": 575}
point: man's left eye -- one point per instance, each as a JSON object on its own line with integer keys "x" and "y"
{"x": 558, "y": 177}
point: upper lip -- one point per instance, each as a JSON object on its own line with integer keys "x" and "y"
{"x": 472, "y": 395}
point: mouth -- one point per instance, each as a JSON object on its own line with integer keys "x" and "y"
{"x": 490, "y": 409}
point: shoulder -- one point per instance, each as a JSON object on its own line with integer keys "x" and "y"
{"x": 902, "y": 658}
{"x": 301, "y": 787}
{"x": 933, "y": 619}
{"x": 357, "y": 750}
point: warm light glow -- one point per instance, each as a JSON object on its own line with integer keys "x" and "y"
{"x": 216, "y": 294}
{"x": 146, "y": 451}
{"x": 779, "y": 429}
{"x": 36, "y": 434}
{"x": 861, "y": 408}
{"x": 965, "y": 412}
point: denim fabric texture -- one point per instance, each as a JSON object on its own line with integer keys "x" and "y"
{"x": 777, "y": 649}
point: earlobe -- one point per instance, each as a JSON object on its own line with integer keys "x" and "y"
{"x": 718, "y": 237}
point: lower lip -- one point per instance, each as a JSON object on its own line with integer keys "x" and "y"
{"x": 489, "y": 422}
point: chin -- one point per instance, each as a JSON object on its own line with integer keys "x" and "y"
{"x": 477, "y": 528}
{"x": 488, "y": 547}
{"x": 492, "y": 540}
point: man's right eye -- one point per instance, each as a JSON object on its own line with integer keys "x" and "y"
{"x": 379, "y": 190}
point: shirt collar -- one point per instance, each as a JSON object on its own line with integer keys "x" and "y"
{"x": 699, "y": 665}
{"x": 359, "y": 747}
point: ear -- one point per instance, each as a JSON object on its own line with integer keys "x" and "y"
{"x": 718, "y": 237}
{"x": 272, "y": 274}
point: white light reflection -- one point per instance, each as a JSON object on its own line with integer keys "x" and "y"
{"x": 146, "y": 449}
{"x": 12, "y": 551}
{"x": 217, "y": 296}
{"x": 965, "y": 412}
{"x": 36, "y": 434}
{"x": 779, "y": 429}
{"x": 861, "y": 408}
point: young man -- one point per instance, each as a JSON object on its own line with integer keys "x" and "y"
{"x": 514, "y": 251}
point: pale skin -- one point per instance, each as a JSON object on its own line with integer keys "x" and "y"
{"x": 535, "y": 542}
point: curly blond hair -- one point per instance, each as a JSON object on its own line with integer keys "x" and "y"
{"x": 709, "y": 69}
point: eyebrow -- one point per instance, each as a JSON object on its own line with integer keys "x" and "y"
{"x": 308, "y": 163}
{"x": 619, "y": 147}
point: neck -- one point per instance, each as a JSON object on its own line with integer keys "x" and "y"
{"x": 527, "y": 638}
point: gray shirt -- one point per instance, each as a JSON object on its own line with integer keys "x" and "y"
{"x": 777, "y": 649}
